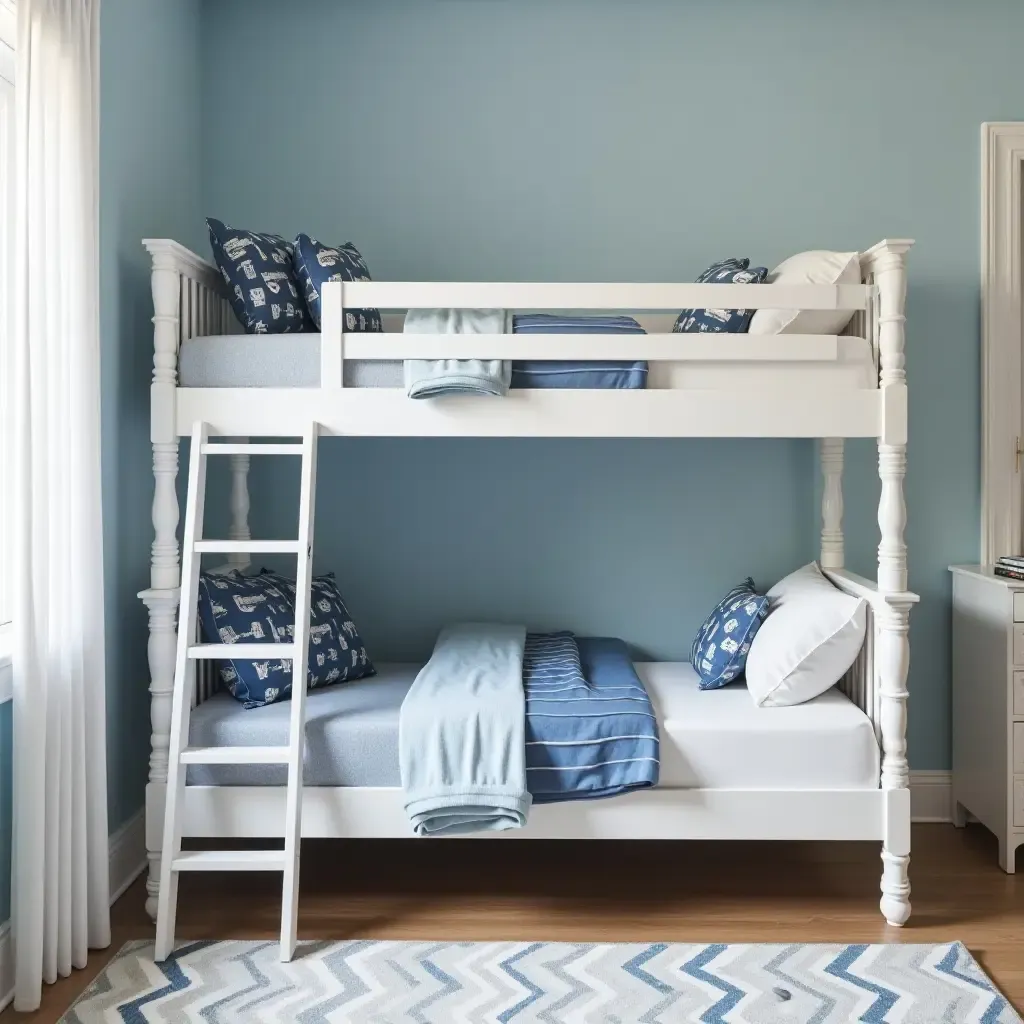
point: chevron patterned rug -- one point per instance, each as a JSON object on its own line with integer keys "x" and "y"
{"x": 550, "y": 982}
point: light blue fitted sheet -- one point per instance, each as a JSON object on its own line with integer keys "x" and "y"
{"x": 351, "y": 733}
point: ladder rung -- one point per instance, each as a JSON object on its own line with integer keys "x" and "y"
{"x": 252, "y": 449}
{"x": 229, "y": 860}
{"x": 265, "y": 547}
{"x": 234, "y": 755}
{"x": 253, "y": 652}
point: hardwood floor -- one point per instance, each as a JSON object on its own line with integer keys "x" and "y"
{"x": 711, "y": 892}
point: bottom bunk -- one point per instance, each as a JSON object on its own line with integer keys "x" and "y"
{"x": 818, "y": 765}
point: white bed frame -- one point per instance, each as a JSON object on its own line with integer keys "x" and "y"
{"x": 790, "y": 387}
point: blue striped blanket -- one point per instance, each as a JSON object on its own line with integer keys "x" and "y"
{"x": 560, "y": 373}
{"x": 590, "y": 728}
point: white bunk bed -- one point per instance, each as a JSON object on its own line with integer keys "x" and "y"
{"x": 824, "y": 387}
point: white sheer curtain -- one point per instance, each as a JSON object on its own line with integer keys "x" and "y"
{"x": 60, "y": 880}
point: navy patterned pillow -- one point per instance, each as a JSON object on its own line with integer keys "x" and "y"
{"x": 261, "y": 609}
{"x": 720, "y": 648}
{"x": 258, "y": 271}
{"x": 316, "y": 264}
{"x": 727, "y": 321}
{"x": 337, "y": 653}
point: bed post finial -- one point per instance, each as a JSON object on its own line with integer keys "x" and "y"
{"x": 832, "y": 546}
{"x": 887, "y": 263}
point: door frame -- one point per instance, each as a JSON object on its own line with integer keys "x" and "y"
{"x": 1002, "y": 338}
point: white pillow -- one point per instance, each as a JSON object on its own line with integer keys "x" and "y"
{"x": 812, "y": 635}
{"x": 816, "y": 267}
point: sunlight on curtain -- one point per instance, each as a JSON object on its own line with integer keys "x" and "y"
{"x": 60, "y": 879}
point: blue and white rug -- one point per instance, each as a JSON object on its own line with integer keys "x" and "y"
{"x": 550, "y": 982}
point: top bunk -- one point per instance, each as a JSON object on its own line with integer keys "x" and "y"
{"x": 849, "y": 384}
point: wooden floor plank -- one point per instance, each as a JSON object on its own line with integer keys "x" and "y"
{"x": 607, "y": 891}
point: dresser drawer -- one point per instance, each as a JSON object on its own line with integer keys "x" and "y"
{"x": 1018, "y": 694}
{"x": 1018, "y": 646}
{"x": 1018, "y": 802}
{"x": 1018, "y": 747}
{"x": 1018, "y": 607}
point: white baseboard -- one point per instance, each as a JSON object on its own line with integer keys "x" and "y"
{"x": 6, "y": 965}
{"x": 127, "y": 862}
{"x": 931, "y": 796}
{"x": 127, "y": 854}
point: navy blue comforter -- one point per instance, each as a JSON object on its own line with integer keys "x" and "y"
{"x": 590, "y": 728}
{"x": 561, "y": 373}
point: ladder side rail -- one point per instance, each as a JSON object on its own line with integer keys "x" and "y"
{"x": 184, "y": 678}
{"x": 297, "y": 725}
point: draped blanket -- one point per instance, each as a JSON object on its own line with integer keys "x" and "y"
{"x": 591, "y": 730}
{"x": 435, "y": 378}
{"x": 460, "y": 734}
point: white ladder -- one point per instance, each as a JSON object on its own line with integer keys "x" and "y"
{"x": 180, "y": 755}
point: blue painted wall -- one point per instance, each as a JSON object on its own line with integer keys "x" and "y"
{"x": 590, "y": 139}
{"x": 149, "y": 187}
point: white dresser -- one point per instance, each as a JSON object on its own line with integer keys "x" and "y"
{"x": 988, "y": 704}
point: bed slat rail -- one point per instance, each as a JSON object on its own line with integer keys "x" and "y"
{"x": 716, "y": 348}
{"x": 592, "y": 296}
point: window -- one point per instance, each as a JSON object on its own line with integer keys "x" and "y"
{"x": 7, "y": 31}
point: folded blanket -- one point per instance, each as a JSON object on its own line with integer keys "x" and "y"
{"x": 432, "y": 378}
{"x": 563, "y": 373}
{"x": 460, "y": 734}
{"x": 590, "y": 728}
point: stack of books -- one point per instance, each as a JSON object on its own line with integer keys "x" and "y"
{"x": 1011, "y": 566}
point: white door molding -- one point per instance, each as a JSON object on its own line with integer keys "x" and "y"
{"x": 1002, "y": 264}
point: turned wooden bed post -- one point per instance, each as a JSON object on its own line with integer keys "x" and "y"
{"x": 887, "y": 262}
{"x": 239, "y": 529}
{"x": 832, "y": 547}
{"x": 188, "y": 302}
{"x": 161, "y": 599}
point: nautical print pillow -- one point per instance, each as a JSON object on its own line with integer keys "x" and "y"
{"x": 261, "y": 609}
{"x": 258, "y": 271}
{"x": 726, "y": 321}
{"x": 248, "y": 609}
{"x": 720, "y": 648}
{"x": 316, "y": 264}
{"x": 337, "y": 653}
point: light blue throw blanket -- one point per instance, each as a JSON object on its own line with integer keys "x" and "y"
{"x": 461, "y": 739}
{"x": 433, "y": 378}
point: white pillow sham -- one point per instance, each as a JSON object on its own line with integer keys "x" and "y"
{"x": 812, "y": 635}
{"x": 815, "y": 267}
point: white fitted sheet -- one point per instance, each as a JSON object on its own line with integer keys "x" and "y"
{"x": 719, "y": 739}
{"x": 712, "y": 739}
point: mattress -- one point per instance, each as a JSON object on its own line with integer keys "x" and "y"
{"x": 713, "y": 739}
{"x": 293, "y": 360}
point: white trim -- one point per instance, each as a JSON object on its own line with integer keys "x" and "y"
{"x": 127, "y": 854}
{"x": 6, "y": 965}
{"x": 931, "y": 796}
{"x": 1002, "y": 153}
